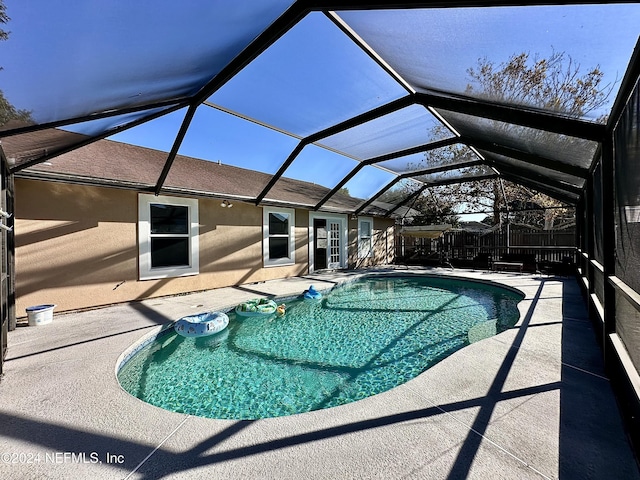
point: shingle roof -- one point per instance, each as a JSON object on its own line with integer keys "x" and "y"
{"x": 128, "y": 166}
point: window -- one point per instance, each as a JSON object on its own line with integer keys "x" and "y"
{"x": 277, "y": 237}
{"x": 167, "y": 236}
{"x": 365, "y": 238}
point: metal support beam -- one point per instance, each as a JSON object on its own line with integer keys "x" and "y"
{"x": 580, "y": 229}
{"x": 549, "y": 163}
{"x": 436, "y": 184}
{"x": 518, "y": 173}
{"x": 277, "y": 29}
{"x": 405, "y": 4}
{"x": 443, "y": 168}
{"x": 355, "y": 38}
{"x": 608, "y": 244}
{"x": 588, "y": 201}
{"x": 452, "y": 181}
{"x": 626, "y": 89}
{"x": 276, "y": 176}
{"x": 526, "y": 117}
{"x": 427, "y": 171}
{"x": 90, "y": 140}
{"x": 411, "y": 197}
{"x": 413, "y": 150}
{"x": 382, "y": 158}
{"x": 365, "y": 117}
{"x": 327, "y": 132}
{"x": 341, "y": 184}
{"x": 376, "y": 195}
{"x": 426, "y": 185}
{"x": 562, "y": 196}
{"x": 176, "y": 146}
{"x": 179, "y": 103}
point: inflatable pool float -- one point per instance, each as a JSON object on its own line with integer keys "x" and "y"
{"x": 256, "y": 307}
{"x": 202, "y": 324}
{"x": 312, "y": 294}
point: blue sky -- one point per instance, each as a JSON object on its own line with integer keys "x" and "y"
{"x": 63, "y": 59}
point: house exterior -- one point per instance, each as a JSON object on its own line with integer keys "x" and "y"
{"x": 89, "y": 232}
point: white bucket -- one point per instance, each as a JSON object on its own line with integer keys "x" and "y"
{"x": 40, "y": 315}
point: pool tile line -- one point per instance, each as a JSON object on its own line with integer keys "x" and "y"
{"x": 163, "y": 330}
{"x": 156, "y": 332}
{"x": 157, "y": 448}
{"x": 484, "y": 437}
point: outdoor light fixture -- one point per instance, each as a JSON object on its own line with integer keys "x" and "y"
{"x": 226, "y": 203}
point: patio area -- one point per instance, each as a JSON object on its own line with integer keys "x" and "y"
{"x": 532, "y": 402}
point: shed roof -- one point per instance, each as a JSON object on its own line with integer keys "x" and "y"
{"x": 425, "y": 231}
{"x": 368, "y": 96}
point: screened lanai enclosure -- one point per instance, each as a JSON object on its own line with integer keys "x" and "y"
{"x": 380, "y": 101}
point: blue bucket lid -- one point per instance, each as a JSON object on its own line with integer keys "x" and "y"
{"x": 38, "y": 307}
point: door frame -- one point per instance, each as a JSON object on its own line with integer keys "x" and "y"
{"x": 344, "y": 237}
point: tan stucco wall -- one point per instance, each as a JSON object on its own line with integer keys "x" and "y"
{"x": 76, "y": 247}
{"x": 383, "y": 243}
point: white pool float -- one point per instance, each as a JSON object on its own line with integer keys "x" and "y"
{"x": 202, "y": 324}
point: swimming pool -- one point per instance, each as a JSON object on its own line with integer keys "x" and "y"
{"x": 363, "y": 338}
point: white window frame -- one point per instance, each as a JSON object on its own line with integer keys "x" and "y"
{"x": 146, "y": 271}
{"x": 290, "y": 259}
{"x": 362, "y": 252}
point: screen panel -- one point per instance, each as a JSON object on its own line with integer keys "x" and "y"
{"x": 627, "y": 193}
{"x": 409, "y": 127}
{"x": 462, "y": 174}
{"x": 32, "y": 146}
{"x": 312, "y": 78}
{"x": 224, "y": 138}
{"x": 570, "y": 150}
{"x": 530, "y": 168}
{"x": 120, "y": 54}
{"x": 321, "y": 166}
{"x": 433, "y": 159}
{"x": 433, "y": 49}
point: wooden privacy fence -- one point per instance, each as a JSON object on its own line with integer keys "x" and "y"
{"x": 462, "y": 247}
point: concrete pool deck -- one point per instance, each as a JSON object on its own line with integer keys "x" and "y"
{"x": 532, "y": 402}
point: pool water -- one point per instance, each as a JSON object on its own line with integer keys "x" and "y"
{"x": 361, "y": 339}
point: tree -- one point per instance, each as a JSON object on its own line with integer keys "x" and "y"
{"x": 7, "y": 111}
{"x": 554, "y": 83}
{"x": 4, "y": 19}
{"x": 434, "y": 211}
